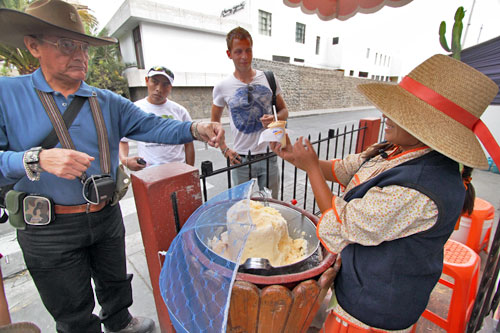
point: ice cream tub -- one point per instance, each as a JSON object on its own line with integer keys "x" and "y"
{"x": 298, "y": 225}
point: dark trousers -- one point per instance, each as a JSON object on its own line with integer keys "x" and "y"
{"x": 64, "y": 255}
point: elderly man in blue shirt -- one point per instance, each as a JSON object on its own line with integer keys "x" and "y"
{"x": 86, "y": 238}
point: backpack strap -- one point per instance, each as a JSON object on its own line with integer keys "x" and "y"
{"x": 272, "y": 84}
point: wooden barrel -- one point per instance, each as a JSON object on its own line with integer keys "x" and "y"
{"x": 276, "y": 308}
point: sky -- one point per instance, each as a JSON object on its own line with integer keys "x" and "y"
{"x": 410, "y": 32}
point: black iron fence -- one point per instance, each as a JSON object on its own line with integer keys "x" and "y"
{"x": 294, "y": 185}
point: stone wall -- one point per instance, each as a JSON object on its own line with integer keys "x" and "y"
{"x": 307, "y": 88}
{"x": 304, "y": 88}
{"x": 197, "y": 100}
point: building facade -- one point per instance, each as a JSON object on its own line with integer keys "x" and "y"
{"x": 188, "y": 36}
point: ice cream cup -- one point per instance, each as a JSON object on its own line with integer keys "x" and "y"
{"x": 280, "y": 124}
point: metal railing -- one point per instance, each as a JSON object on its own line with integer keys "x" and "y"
{"x": 294, "y": 184}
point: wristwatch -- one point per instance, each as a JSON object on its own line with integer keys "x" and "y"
{"x": 31, "y": 160}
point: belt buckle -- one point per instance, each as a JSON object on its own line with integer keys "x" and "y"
{"x": 87, "y": 209}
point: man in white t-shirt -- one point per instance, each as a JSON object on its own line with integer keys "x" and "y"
{"x": 248, "y": 97}
{"x": 159, "y": 82}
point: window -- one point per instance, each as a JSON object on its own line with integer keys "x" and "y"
{"x": 281, "y": 58}
{"x": 351, "y": 73}
{"x": 376, "y": 57}
{"x": 265, "y": 20}
{"x": 335, "y": 40}
{"x": 138, "y": 47}
{"x": 300, "y": 33}
{"x": 367, "y": 53}
{"x": 318, "y": 39}
{"x": 363, "y": 74}
{"x": 298, "y": 60}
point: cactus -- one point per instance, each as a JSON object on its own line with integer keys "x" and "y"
{"x": 456, "y": 34}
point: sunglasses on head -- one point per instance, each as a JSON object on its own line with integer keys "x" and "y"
{"x": 68, "y": 46}
{"x": 162, "y": 69}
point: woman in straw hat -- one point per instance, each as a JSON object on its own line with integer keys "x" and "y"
{"x": 402, "y": 197}
{"x": 86, "y": 240}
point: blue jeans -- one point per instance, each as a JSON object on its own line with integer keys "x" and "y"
{"x": 259, "y": 171}
{"x": 64, "y": 255}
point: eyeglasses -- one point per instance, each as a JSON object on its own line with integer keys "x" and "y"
{"x": 249, "y": 94}
{"x": 162, "y": 69}
{"x": 68, "y": 46}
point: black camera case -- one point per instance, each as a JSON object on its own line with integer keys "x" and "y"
{"x": 100, "y": 189}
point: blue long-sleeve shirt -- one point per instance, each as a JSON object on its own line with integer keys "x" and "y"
{"x": 24, "y": 124}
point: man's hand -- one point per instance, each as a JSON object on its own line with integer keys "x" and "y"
{"x": 133, "y": 164}
{"x": 211, "y": 133}
{"x": 266, "y": 120}
{"x": 234, "y": 157}
{"x": 65, "y": 163}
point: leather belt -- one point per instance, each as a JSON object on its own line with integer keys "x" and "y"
{"x": 85, "y": 208}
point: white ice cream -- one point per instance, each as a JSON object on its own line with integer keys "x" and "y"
{"x": 267, "y": 235}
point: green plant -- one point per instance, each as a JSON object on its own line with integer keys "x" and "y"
{"x": 106, "y": 68}
{"x": 456, "y": 34}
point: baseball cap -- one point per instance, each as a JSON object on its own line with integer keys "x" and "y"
{"x": 160, "y": 70}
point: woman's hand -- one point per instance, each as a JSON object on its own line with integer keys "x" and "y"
{"x": 285, "y": 153}
{"x": 301, "y": 153}
{"x": 305, "y": 156}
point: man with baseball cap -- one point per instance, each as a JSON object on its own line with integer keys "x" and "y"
{"x": 159, "y": 81}
{"x": 80, "y": 237}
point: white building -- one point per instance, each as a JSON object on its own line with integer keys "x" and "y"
{"x": 188, "y": 36}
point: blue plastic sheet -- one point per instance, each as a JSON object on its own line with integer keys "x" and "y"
{"x": 195, "y": 283}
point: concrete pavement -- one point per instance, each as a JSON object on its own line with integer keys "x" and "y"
{"x": 24, "y": 301}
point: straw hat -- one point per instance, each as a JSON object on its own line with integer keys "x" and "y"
{"x": 442, "y": 84}
{"x": 54, "y": 17}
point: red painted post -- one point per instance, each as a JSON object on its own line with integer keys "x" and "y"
{"x": 369, "y": 135}
{"x": 153, "y": 189}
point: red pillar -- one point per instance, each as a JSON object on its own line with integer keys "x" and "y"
{"x": 153, "y": 189}
{"x": 369, "y": 135}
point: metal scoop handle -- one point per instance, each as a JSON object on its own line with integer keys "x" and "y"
{"x": 260, "y": 266}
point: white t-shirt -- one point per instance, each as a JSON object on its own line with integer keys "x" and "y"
{"x": 159, "y": 153}
{"x": 245, "y": 112}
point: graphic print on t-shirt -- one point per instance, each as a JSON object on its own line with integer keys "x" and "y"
{"x": 248, "y": 105}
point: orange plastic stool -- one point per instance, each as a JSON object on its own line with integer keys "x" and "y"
{"x": 462, "y": 264}
{"x": 337, "y": 324}
{"x": 483, "y": 211}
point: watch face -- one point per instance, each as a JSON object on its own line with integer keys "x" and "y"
{"x": 32, "y": 156}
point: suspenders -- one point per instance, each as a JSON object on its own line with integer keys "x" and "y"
{"x": 61, "y": 129}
